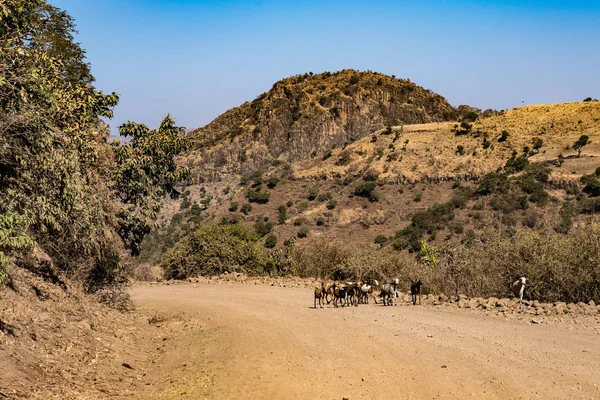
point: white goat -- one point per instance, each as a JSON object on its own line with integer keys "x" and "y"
{"x": 389, "y": 292}
{"x": 367, "y": 290}
{"x": 518, "y": 287}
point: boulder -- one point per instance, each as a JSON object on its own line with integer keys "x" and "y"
{"x": 502, "y": 303}
{"x": 473, "y": 303}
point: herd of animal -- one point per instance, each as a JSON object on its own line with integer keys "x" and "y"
{"x": 355, "y": 293}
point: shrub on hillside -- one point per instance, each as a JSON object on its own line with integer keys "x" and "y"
{"x": 233, "y": 206}
{"x": 282, "y": 214}
{"x": 273, "y": 181}
{"x": 186, "y": 203}
{"x": 246, "y": 209}
{"x": 324, "y": 197}
{"x": 381, "y": 240}
{"x": 215, "y": 249}
{"x": 262, "y": 227}
{"x": 302, "y": 233}
{"x": 503, "y": 137}
{"x": 367, "y": 190}
{"x": 331, "y": 204}
{"x": 257, "y": 196}
{"x": 270, "y": 241}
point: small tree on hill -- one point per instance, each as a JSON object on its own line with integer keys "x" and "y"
{"x": 583, "y": 141}
{"x": 381, "y": 240}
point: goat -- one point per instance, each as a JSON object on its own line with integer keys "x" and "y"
{"x": 329, "y": 293}
{"x": 518, "y": 287}
{"x": 415, "y": 290}
{"x": 366, "y": 291}
{"x": 388, "y": 292}
{"x": 339, "y": 294}
{"x": 352, "y": 293}
{"x": 320, "y": 293}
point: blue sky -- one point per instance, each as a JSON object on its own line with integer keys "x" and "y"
{"x": 197, "y": 59}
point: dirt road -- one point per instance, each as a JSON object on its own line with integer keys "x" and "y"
{"x": 261, "y": 342}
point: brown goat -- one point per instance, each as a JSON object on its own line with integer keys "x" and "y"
{"x": 320, "y": 295}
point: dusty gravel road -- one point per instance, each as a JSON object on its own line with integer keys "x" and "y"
{"x": 262, "y": 342}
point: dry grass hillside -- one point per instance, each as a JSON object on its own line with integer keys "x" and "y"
{"x": 410, "y": 168}
{"x": 428, "y": 152}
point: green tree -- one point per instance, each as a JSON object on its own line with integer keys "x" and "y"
{"x": 282, "y": 215}
{"x": 54, "y": 161}
{"x": 76, "y": 193}
{"x": 537, "y": 144}
{"x": 583, "y": 141}
{"x": 381, "y": 240}
{"x": 145, "y": 173}
{"x": 270, "y": 241}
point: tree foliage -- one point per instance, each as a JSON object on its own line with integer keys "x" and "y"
{"x": 62, "y": 187}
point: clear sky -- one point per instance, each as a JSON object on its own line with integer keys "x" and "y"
{"x": 197, "y": 59}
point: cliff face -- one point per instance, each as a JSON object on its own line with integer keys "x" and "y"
{"x": 307, "y": 115}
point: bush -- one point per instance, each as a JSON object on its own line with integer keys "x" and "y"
{"x": 486, "y": 143}
{"x": 320, "y": 221}
{"x": 324, "y": 197}
{"x": 399, "y": 244}
{"x": 215, "y": 249}
{"x": 530, "y": 220}
{"x": 492, "y": 182}
{"x": 592, "y": 185}
{"x": 282, "y": 214}
{"x": 289, "y": 203}
{"x": 471, "y": 116}
{"x": 196, "y": 209}
{"x": 327, "y": 155}
{"x": 302, "y": 233}
{"x": 371, "y": 176}
{"x": 537, "y": 144}
{"x": 177, "y": 218}
{"x": 503, "y": 137}
{"x": 460, "y": 150}
{"x": 185, "y": 204}
{"x": 459, "y": 228}
{"x": 564, "y": 224}
{"x": 233, "y": 206}
{"x": 516, "y": 164}
{"x": 273, "y": 181}
{"x": 262, "y": 228}
{"x": 298, "y": 221}
{"x": 257, "y": 196}
{"x": 270, "y": 241}
{"x": 418, "y": 197}
{"x": 331, "y": 204}
{"x": 381, "y": 240}
{"x": 312, "y": 194}
{"x": 367, "y": 190}
{"x": 246, "y": 209}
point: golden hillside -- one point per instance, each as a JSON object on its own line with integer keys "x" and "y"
{"x": 431, "y": 151}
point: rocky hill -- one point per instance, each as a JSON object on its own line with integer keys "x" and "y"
{"x": 308, "y": 115}
{"x": 373, "y": 187}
